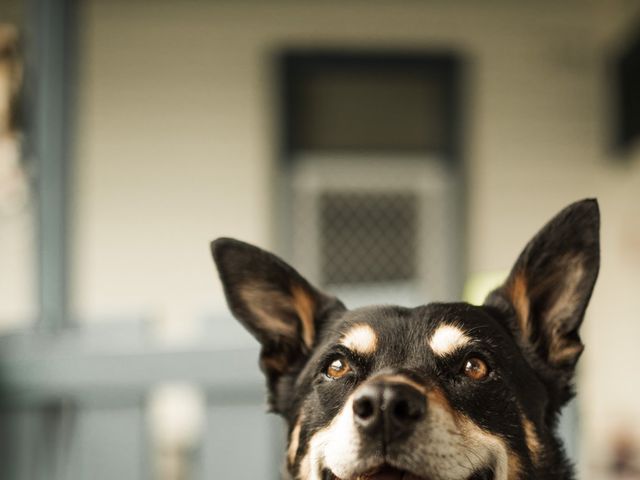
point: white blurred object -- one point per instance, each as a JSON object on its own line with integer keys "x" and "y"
{"x": 625, "y": 456}
{"x": 176, "y": 419}
{"x": 176, "y": 328}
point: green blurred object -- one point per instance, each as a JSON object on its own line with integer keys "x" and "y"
{"x": 478, "y": 285}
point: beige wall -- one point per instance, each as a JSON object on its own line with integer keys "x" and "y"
{"x": 176, "y": 140}
{"x": 176, "y": 146}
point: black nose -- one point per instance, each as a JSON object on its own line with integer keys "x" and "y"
{"x": 392, "y": 410}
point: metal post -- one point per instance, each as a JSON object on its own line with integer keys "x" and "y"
{"x": 50, "y": 40}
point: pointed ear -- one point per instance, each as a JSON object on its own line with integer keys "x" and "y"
{"x": 550, "y": 285}
{"x": 274, "y": 303}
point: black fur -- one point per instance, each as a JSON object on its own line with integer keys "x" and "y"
{"x": 527, "y": 333}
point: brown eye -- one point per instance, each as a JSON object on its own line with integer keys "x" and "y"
{"x": 338, "y": 368}
{"x": 476, "y": 369}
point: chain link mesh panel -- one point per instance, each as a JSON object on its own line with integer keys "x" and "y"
{"x": 368, "y": 237}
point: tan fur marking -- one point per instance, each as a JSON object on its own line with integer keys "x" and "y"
{"x": 520, "y": 299}
{"x": 531, "y": 437}
{"x": 447, "y": 339}
{"x": 267, "y": 304}
{"x": 508, "y": 466}
{"x": 264, "y": 302}
{"x": 562, "y": 349}
{"x": 569, "y": 278}
{"x": 361, "y": 338}
{"x": 437, "y": 397}
{"x": 294, "y": 441}
{"x": 515, "y": 467}
{"x": 564, "y": 352}
{"x": 303, "y": 303}
{"x": 401, "y": 379}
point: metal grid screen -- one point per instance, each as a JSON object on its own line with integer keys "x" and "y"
{"x": 368, "y": 237}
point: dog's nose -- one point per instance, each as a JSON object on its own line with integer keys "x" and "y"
{"x": 389, "y": 409}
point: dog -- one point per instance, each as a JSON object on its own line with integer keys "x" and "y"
{"x": 443, "y": 391}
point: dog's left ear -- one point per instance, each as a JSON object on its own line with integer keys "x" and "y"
{"x": 275, "y": 304}
{"x": 550, "y": 285}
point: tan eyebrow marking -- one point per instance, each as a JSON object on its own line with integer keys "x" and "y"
{"x": 448, "y": 339}
{"x": 361, "y": 338}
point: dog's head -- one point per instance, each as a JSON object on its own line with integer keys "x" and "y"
{"x": 444, "y": 391}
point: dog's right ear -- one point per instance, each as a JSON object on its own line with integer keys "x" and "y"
{"x": 275, "y": 303}
{"x": 549, "y": 287}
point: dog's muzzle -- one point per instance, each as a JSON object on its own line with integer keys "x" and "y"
{"x": 391, "y": 431}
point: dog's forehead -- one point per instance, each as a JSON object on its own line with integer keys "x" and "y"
{"x": 439, "y": 325}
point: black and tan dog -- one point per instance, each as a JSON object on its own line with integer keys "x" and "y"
{"x": 444, "y": 391}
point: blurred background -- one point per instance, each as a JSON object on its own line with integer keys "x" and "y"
{"x": 395, "y": 151}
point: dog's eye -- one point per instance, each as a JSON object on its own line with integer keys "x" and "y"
{"x": 475, "y": 368}
{"x": 337, "y": 368}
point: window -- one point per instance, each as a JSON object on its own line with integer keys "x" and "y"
{"x": 371, "y": 160}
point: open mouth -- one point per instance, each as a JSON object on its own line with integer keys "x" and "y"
{"x": 387, "y": 472}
